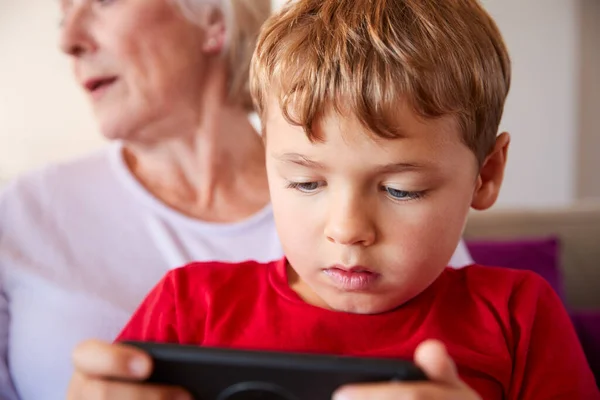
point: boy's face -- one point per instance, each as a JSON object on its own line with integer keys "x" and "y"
{"x": 368, "y": 223}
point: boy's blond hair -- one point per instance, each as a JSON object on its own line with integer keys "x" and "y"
{"x": 364, "y": 57}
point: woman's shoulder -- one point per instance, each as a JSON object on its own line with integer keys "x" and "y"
{"x": 45, "y": 187}
{"x": 53, "y": 176}
{"x": 38, "y": 206}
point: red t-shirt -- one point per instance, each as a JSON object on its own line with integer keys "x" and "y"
{"x": 506, "y": 330}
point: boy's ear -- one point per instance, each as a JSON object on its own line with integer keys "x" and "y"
{"x": 491, "y": 175}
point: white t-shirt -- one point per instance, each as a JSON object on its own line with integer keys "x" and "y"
{"x": 81, "y": 244}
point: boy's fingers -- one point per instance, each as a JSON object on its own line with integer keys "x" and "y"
{"x": 431, "y": 356}
{"x": 85, "y": 388}
{"x": 375, "y": 391}
{"x": 107, "y": 360}
{"x": 398, "y": 391}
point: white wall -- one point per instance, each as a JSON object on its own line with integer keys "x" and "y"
{"x": 587, "y": 160}
{"x": 43, "y": 117}
{"x": 541, "y": 110}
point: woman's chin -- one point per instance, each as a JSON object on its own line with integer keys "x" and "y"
{"x": 116, "y": 127}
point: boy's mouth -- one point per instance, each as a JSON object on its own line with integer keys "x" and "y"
{"x": 351, "y": 279}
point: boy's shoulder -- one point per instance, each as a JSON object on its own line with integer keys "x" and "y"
{"x": 214, "y": 275}
{"x": 498, "y": 283}
{"x": 493, "y": 273}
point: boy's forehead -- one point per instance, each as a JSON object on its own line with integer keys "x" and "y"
{"x": 342, "y": 121}
{"x": 428, "y": 146}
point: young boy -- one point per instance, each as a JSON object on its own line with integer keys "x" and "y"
{"x": 380, "y": 121}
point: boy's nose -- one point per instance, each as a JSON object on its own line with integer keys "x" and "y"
{"x": 350, "y": 224}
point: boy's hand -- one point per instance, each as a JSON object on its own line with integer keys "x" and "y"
{"x": 445, "y": 383}
{"x": 111, "y": 371}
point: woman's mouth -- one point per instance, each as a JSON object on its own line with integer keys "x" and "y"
{"x": 97, "y": 86}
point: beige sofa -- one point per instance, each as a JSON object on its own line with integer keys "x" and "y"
{"x": 578, "y": 228}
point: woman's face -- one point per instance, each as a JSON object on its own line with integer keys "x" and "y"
{"x": 141, "y": 63}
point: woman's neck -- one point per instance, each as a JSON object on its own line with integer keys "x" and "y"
{"x": 215, "y": 174}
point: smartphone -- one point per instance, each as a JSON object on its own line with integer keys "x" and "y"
{"x": 226, "y": 374}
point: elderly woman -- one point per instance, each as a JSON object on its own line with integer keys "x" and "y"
{"x": 81, "y": 243}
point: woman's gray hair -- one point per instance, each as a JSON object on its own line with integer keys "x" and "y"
{"x": 243, "y": 20}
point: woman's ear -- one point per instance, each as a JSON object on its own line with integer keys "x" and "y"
{"x": 213, "y": 22}
{"x": 491, "y": 175}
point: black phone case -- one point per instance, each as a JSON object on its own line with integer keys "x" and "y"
{"x": 225, "y": 374}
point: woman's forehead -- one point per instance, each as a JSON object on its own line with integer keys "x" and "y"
{"x": 64, "y": 4}
{"x": 69, "y": 3}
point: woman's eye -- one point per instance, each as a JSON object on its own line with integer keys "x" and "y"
{"x": 304, "y": 187}
{"x": 397, "y": 194}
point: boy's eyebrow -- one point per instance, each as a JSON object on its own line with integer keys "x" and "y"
{"x": 299, "y": 159}
{"x": 401, "y": 167}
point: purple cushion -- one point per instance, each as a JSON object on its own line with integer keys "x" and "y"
{"x": 540, "y": 255}
{"x": 587, "y": 325}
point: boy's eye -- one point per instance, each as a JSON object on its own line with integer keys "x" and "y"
{"x": 304, "y": 187}
{"x": 397, "y": 194}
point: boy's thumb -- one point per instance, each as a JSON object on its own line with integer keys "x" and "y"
{"x": 431, "y": 356}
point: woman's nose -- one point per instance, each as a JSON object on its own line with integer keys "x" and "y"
{"x": 75, "y": 37}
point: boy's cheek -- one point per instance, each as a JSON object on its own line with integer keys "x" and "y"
{"x": 296, "y": 226}
{"x": 294, "y": 216}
